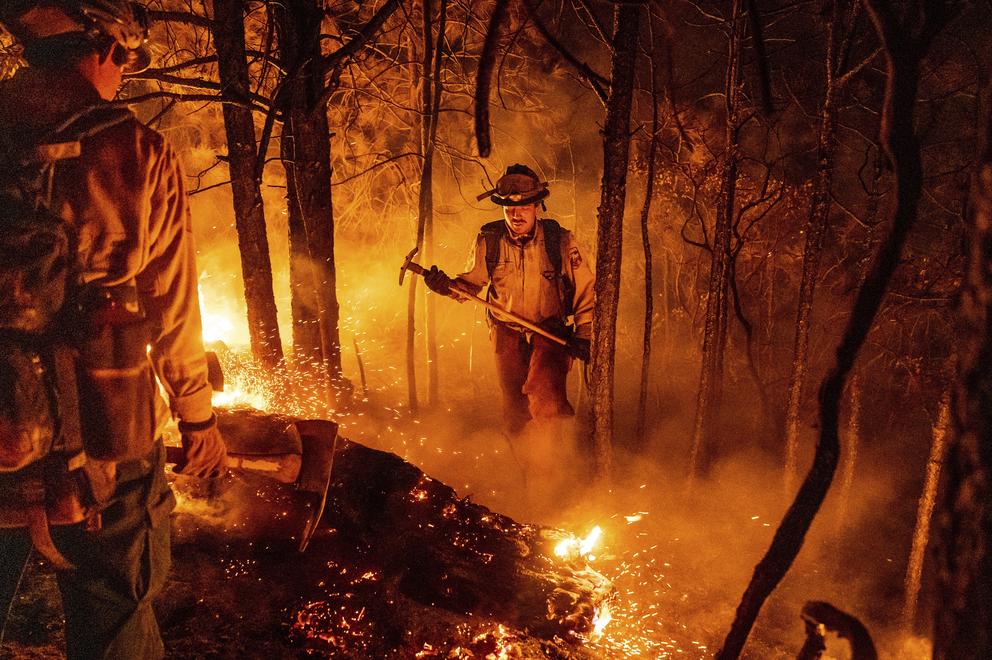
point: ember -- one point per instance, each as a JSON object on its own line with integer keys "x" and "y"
{"x": 398, "y": 548}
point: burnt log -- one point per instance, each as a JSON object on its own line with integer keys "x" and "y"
{"x": 400, "y": 566}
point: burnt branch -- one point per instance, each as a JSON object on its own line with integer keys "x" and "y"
{"x": 599, "y": 83}
{"x": 181, "y": 97}
{"x": 483, "y": 81}
{"x": 186, "y": 18}
{"x": 760, "y": 56}
{"x": 601, "y": 32}
{"x": 362, "y": 37}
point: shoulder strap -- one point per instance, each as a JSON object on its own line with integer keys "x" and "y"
{"x": 492, "y": 232}
{"x": 65, "y": 140}
{"x": 552, "y": 244}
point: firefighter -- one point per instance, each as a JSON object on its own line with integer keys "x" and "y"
{"x": 125, "y": 201}
{"x": 534, "y": 268}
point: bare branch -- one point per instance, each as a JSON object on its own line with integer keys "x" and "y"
{"x": 361, "y": 37}
{"x": 180, "y": 17}
{"x": 598, "y": 83}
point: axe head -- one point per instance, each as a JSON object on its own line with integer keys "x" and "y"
{"x": 406, "y": 263}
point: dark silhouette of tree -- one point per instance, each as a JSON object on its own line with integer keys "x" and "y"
{"x": 839, "y": 34}
{"x": 905, "y": 45}
{"x": 718, "y": 287}
{"x": 431, "y": 90}
{"x": 616, "y": 154}
{"x": 228, "y": 32}
{"x": 963, "y": 621}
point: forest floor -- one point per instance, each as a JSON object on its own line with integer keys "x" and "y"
{"x": 679, "y": 559}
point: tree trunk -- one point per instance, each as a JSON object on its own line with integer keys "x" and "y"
{"x": 816, "y": 228}
{"x": 924, "y": 513}
{"x": 306, "y": 158}
{"x": 616, "y": 154}
{"x": 413, "y": 402}
{"x": 431, "y": 100}
{"x": 642, "y": 399}
{"x": 249, "y": 214}
{"x": 709, "y": 392}
{"x": 853, "y": 438}
{"x": 426, "y": 81}
{"x": 963, "y": 626}
{"x": 903, "y": 55}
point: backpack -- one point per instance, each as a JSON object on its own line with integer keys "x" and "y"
{"x": 45, "y": 476}
{"x": 494, "y": 231}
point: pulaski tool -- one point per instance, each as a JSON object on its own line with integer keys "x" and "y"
{"x": 411, "y": 265}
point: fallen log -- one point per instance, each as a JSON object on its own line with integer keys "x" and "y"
{"x": 400, "y": 566}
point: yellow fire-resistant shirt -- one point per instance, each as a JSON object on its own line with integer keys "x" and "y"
{"x": 524, "y": 281}
{"x": 125, "y": 197}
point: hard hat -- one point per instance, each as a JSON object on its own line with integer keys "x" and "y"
{"x": 519, "y": 186}
{"x": 35, "y": 22}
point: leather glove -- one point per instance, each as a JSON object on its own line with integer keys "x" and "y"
{"x": 437, "y": 281}
{"x": 578, "y": 348}
{"x": 205, "y": 454}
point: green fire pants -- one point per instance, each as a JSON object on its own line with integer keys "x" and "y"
{"x": 107, "y": 597}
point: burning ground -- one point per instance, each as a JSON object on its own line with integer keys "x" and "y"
{"x": 407, "y": 566}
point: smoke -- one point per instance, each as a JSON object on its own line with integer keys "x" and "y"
{"x": 680, "y": 560}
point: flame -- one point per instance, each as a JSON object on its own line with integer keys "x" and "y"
{"x": 600, "y": 620}
{"x": 589, "y": 542}
{"x": 575, "y": 548}
{"x": 219, "y": 315}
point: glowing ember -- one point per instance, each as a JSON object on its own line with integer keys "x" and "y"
{"x": 234, "y": 396}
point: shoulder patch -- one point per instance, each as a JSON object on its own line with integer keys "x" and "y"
{"x": 574, "y": 258}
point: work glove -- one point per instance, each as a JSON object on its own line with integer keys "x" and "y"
{"x": 578, "y": 348}
{"x": 204, "y": 451}
{"x": 437, "y": 281}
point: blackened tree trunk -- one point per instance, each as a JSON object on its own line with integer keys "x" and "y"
{"x": 616, "y": 154}
{"x": 715, "y": 324}
{"x": 413, "y": 400}
{"x": 904, "y": 46}
{"x": 431, "y": 91}
{"x": 642, "y": 399}
{"x": 305, "y": 152}
{"x": 963, "y": 626}
{"x": 256, "y": 268}
{"x": 816, "y": 228}
{"x": 426, "y": 83}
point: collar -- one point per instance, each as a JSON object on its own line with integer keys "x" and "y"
{"x": 526, "y": 238}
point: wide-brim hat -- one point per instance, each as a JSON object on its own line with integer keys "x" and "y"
{"x": 518, "y": 187}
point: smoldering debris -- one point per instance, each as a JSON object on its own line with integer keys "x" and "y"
{"x": 399, "y": 567}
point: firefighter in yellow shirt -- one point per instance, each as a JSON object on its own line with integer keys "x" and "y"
{"x": 534, "y": 268}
